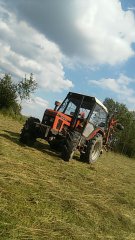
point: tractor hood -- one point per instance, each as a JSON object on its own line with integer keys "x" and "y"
{"x": 53, "y": 113}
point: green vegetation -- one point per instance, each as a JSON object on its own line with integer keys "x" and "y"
{"x": 125, "y": 140}
{"x": 10, "y": 92}
{"x": 11, "y": 114}
{"x": 43, "y": 197}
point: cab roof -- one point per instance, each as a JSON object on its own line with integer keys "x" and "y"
{"x": 101, "y": 104}
{"x": 88, "y": 98}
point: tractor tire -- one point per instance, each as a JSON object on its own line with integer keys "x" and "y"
{"x": 70, "y": 145}
{"x": 28, "y": 132}
{"x": 93, "y": 150}
{"x": 55, "y": 145}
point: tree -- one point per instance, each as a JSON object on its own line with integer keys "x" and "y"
{"x": 10, "y": 92}
{"x": 125, "y": 139}
{"x": 7, "y": 92}
{"x": 25, "y": 87}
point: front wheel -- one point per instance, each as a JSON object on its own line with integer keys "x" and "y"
{"x": 70, "y": 145}
{"x": 94, "y": 149}
{"x": 28, "y": 133}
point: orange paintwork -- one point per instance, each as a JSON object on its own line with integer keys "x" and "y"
{"x": 98, "y": 130}
{"x": 111, "y": 126}
{"x": 66, "y": 120}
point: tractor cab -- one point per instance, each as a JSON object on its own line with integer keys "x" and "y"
{"x": 77, "y": 111}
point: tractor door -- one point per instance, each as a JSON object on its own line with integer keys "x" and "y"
{"x": 97, "y": 122}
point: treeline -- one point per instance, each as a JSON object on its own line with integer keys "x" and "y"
{"x": 123, "y": 141}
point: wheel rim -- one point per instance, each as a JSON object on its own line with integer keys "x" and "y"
{"x": 95, "y": 151}
{"x": 71, "y": 155}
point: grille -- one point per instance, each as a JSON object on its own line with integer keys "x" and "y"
{"x": 59, "y": 124}
{"x": 48, "y": 120}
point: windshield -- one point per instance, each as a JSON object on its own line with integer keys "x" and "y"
{"x": 73, "y": 101}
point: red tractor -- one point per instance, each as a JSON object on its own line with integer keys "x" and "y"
{"x": 80, "y": 123}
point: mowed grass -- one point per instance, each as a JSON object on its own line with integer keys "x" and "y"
{"x": 43, "y": 197}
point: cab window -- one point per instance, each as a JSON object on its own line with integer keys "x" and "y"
{"x": 99, "y": 116}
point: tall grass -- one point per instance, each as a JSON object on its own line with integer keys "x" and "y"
{"x": 11, "y": 113}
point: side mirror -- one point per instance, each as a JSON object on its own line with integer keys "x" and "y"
{"x": 119, "y": 126}
{"x": 57, "y": 104}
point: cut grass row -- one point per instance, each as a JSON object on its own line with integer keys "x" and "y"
{"x": 43, "y": 197}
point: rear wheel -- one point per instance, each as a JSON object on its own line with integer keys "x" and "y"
{"x": 93, "y": 149}
{"x": 28, "y": 134}
{"x": 70, "y": 145}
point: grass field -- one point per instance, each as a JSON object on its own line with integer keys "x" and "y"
{"x": 43, "y": 197}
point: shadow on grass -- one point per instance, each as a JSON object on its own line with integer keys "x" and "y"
{"x": 43, "y": 147}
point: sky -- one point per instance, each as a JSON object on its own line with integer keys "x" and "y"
{"x": 84, "y": 46}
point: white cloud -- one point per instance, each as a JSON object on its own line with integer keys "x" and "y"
{"x": 87, "y": 31}
{"x": 120, "y": 86}
{"x": 34, "y": 107}
{"x": 108, "y": 29}
{"x": 25, "y": 50}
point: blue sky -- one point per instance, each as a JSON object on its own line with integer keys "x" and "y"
{"x": 85, "y": 46}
